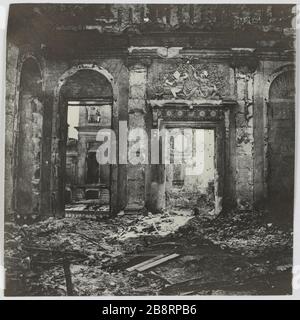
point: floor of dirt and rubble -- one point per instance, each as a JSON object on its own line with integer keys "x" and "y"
{"x": 237, "y": 253}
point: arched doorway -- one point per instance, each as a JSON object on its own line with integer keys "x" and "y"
{"x": 85, "y": 107}
{"x": 29, "y": 140}
{"x": 281, "y": 145}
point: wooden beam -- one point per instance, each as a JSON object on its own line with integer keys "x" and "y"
{"x": 158, "y": 262}
{"x": 145, "y": 262}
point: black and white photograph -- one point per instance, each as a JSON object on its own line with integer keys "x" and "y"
{"x": 149, "y": 149}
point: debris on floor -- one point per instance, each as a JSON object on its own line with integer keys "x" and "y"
{"x": 87, "y": 209}
{"x": 174, "y": 252}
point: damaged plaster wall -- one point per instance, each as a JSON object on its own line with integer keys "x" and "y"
{"x": 244, "y": 140}
{"x": 138, "y": 66}
{"x": 245, "y": 85}
{"x": 24, "y": 120}
{"x": 136, "y": 183}
{"x": 30, "y": 126}
{"x": 11, "y": 93}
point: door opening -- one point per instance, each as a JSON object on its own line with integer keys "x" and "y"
{"x": 87, "y": 188}
{"x": 190, "y": 174}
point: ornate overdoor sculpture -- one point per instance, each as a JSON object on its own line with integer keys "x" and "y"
{"x": 190, "y": 93}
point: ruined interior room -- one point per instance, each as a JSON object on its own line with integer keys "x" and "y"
{"x": 212, "y": 218}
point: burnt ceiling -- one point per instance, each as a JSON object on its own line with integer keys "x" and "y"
{"x": 66, "y": 27}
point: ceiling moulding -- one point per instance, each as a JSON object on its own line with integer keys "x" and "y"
{"x": 209, "y": 54}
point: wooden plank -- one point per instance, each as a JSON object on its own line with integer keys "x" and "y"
{"x": 68, "y": 277}
{"x": 158, "y": 262}
{"x": 145, "y": 262}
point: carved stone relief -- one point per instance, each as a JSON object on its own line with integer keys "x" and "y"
{"x": 189, "y": 80}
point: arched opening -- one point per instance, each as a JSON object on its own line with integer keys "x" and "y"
{"x": 281, "y": 145}
{"x": 29, "y": 140}
{"x": 85, "y": 107}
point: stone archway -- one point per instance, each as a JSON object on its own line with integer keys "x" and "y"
{"x": 281, "y": 145}
{"x": 28, "y": 153}
{"x": 86, "y": 81}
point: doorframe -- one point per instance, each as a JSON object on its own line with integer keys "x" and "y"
{"x": 63, "y": 133}
{"x": 58, "y": 104}
{"x": 219, "y": 146}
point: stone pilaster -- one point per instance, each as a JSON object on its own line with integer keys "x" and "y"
{"x": 244, "y": 140}
{"x": 136, "y": 120}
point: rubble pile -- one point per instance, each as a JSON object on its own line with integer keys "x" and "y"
{"x": 248, "y": 232}
{"x": 215, "y": 256}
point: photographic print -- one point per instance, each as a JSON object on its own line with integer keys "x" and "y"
{"x": 149, "y": 149}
